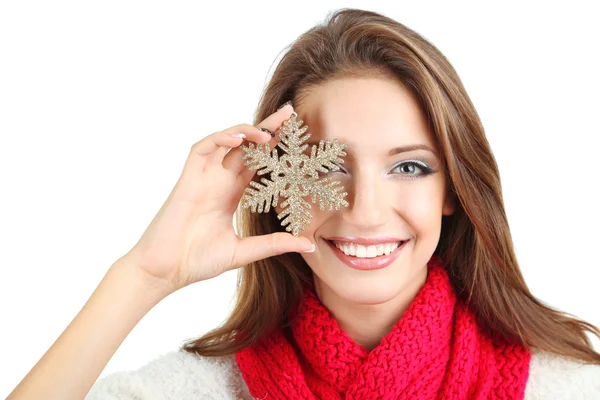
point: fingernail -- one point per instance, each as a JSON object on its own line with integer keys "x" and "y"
{"x": 285, "y": 104}
{"x": 267, "y": 131}
{"x": 309, "y": 251}
{"x": 237, "y": 135}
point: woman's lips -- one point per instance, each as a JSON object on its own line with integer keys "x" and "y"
{"x": 378, "y": 262}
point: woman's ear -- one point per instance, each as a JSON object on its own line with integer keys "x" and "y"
{"x": 450, "y": 201}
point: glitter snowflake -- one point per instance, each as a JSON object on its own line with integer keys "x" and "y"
{"x": 294, "y": 176}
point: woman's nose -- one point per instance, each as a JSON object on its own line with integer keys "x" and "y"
{"x": 368, "y": 202}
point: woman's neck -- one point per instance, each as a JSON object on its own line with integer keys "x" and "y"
{"x": 368, "y": 324}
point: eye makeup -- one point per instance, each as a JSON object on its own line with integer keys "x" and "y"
{"x": 418, "y": 164}
{"x": 426, "y": 170}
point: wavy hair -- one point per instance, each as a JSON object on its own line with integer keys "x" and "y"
{"x": 475, "y": 241}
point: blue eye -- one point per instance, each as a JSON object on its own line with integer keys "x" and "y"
{"x": 419, "y": 165}
{"x": 413, "y": 165}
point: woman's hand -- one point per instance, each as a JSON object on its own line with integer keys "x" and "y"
{"x": 191, "y": 238}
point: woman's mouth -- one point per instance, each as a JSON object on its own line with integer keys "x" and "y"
{"x": 366, "y": 257}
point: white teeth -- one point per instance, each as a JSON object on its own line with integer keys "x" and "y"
{"x": 360, "y": 251}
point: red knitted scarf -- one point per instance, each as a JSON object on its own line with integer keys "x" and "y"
{"x": 435, "y": 351}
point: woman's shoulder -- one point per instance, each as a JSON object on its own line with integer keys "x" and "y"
{"x": 179, "y": 375}
{"x": 552, "y": 376}
{"x": 175, "y": 375}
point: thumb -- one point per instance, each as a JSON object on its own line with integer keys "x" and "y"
{"x": 254, "y": 248}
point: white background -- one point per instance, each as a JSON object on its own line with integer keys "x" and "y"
{"x": 100, "y": 103}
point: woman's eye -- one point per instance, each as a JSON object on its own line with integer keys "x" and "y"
{"x": 409, "y": 168}
{"x": 340, "y": 169}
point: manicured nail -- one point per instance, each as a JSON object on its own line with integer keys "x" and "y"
{"x": 237, "y": 135}
{"x": 267, "y": 131}
{"x": 285, "y": 104}
{"x": 309, "y": 251}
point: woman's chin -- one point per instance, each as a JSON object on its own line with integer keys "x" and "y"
{"x": 366, "y": 291}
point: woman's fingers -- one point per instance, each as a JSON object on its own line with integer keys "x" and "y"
{"x": 255, "y": 248}
{"x": 220, "y": 142}
{"x": 233, "y": 160}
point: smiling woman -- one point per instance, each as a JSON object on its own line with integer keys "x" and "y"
{"x": 413, "y": 291}
{"x": 424, "y": 190}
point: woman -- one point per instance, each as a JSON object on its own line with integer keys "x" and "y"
{"x": 412, "y": 291}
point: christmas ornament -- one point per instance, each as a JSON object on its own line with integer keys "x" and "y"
{"x": 294, "y": 175}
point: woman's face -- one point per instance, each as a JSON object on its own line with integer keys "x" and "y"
{"x": 388, "y": 195}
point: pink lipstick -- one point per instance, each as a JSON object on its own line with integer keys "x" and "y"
{"x": 367, "y": 264}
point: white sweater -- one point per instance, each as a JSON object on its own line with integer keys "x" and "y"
{"x": 179, "y": 375}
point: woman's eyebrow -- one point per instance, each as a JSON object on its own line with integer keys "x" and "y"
{"x": 394, "y": 151}
{"x": 411, "y": 147}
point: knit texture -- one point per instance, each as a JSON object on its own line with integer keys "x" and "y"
{"x": 435, "y": 351}
{"x": 179, "y": 375}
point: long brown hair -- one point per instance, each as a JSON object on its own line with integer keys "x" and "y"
{"x": 475, "y": 241}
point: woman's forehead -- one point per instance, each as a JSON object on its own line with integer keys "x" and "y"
{"x": 367, "y": 113}
{"x": 379, "y": 140}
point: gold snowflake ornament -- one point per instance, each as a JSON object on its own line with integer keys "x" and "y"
{"x": 294, "y": 176}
